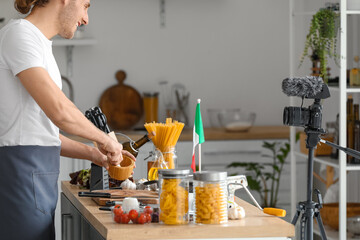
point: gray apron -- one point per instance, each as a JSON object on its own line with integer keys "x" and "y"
{"x": 28, "y": 192}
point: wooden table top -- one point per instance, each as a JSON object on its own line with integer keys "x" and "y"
{"x": 255, "y": 224}
{"x": 214, "y": 134}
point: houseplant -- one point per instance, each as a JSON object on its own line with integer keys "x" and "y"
{"x": 266, "y": 179}
{"x": 322, "y": 40}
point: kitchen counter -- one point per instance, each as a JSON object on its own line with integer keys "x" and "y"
{"x": 256, "y": 224}
{"x": 213, "y": 134}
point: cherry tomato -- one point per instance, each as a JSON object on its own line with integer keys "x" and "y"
{"x": 125, "y": 218}
{"x": 117, "y": 218}
{"x": 118, "y": 206}
{"x": 117, "y": 211}
{"x": 148, "y": 210}
{"x": 141, "y": 219}
{"x": 148, "y": 217}
{"x": 133, "y": 214}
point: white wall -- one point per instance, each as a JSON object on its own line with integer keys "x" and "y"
{"x": 229, "y": 53}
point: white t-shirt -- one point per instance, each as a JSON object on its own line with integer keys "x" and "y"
{"x": 22, "y": 122}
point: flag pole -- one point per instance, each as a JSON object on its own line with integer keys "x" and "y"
{"x": 199, "y": 100}
{"x": 199, "y": 157}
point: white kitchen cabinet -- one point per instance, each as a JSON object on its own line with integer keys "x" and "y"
{"x": 343, "y": 90}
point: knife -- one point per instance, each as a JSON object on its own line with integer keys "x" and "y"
{"x": 94, "y": 194}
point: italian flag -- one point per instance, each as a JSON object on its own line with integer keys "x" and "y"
{"x": 198, "y": 136}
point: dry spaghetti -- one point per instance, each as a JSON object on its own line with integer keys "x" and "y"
{"x": 166, "y": 136}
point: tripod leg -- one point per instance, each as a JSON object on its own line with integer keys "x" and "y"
{"x": 321, "y": 226}
{"x": 303, "y": 227}
{"x": 297, "y": 214}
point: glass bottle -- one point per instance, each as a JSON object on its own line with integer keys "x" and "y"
{"x": 158, "y": 164}
{"x": 133, "y": 147}
{"x": 355, "y": 74}
{"x": 356, "y": 131}
{"x": 210, "y": 197}
{"x": 350, "y": 126}
{"x": 174, "y": 196}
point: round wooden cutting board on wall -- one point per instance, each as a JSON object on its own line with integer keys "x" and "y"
{"x": 121, "y": 104}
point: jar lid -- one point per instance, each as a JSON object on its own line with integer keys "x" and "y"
{"x": 174, "y": 172}
{"x": 210, "y": 176}
{"x": 151, "y": 94}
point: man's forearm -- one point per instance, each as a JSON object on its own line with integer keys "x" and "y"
{"x": 74, "y": 149}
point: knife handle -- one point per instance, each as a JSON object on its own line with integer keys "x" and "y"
{"x": 106, "y": 208}
{"x": 275, "y": 212}
{"x": 94, "y": 194}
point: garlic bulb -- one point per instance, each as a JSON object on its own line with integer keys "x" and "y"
{"x": 127, "y": 184}
{"x": 235, "y": 211}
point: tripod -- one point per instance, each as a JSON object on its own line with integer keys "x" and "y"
{"x": 310, "y": 209}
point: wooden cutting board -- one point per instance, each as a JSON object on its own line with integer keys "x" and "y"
{"x": 102, "y": 201}
{"x": 119, "y": 193}
{"x": 121, "y": 104}
{"x": 143, "y": 196}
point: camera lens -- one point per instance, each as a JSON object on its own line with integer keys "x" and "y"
{"x": 286, "y": 116}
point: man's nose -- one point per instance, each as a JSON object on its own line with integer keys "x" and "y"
{"x": 85, "y": 20}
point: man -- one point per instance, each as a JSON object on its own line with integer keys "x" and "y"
{"x": 32, "y": 110}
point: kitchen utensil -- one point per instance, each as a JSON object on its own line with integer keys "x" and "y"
{"x": 106, "y": 201}
{"x": 122, "y": 104}
{"x": 118, "y": 193}
{"x": 169, "y": 102}
{"x": 182, "y": 100}
{"x": 240, "y": 181}
{"x": 96, "y": 116}
{"x": 353, "y": 225}
{"x": 94, "y": 194}
{"x": 106, "y": 208}
{"x": 123, "y": 171}
{"x": 102, "y": 197}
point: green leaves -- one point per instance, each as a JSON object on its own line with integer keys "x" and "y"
{"x": 266, "y": 173}
{"x": 321, "y": 39}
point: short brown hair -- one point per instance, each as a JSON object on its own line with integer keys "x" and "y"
{"x": 24, "y": 6}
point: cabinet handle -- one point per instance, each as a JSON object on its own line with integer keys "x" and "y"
{"x": 216, "y": 153}
{"x": 66, "y": 227}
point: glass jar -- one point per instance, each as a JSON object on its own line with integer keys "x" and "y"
{"x": 158, "y": 163}
{"x": 151, "y": 104}
{"x": 174, "y": 196}
{"x": 169, "y": 156}
{"x": 210, "y": 197}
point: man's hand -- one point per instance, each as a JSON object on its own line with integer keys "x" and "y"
{"x": 99, "y": 158}
{"x": 114, "y": 152}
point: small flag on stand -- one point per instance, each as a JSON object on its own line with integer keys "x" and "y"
{"x": 198, "y": 136}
